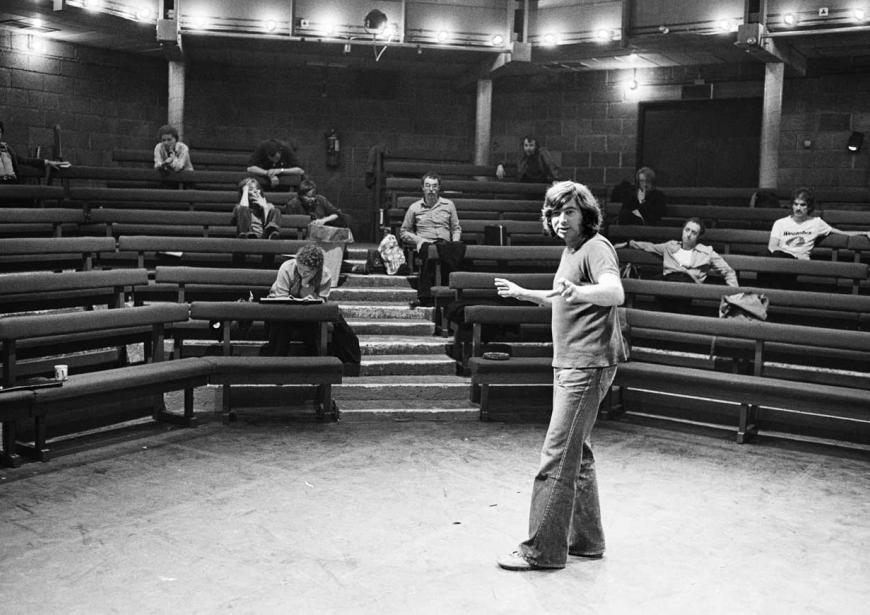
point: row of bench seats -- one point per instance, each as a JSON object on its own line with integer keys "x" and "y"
{"x": 85, "y": 253}
{"x": 31, "y": 344}
{"x": 112, "y": 222}
{"x": 766, "y": 361}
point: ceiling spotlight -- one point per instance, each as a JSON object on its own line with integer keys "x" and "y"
{"x": 497, "y": 40}
{"x": 443, "y": 36}
{"x": 270, "y": 25}
{"x": 375, "y": 22}
{"x": 789, "y": 19}
{"x": 856, "y": 140}
{"x": 551, "y": 38}
{"x": 144, "y": 13}
{"x": 859, "y": 14}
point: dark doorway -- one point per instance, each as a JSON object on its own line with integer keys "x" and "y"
{"x": 702, "y": 142}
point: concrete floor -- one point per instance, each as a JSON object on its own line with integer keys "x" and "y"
{"x": 271, "y": 516}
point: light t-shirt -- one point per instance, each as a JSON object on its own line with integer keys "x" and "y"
{"x": 683, "y": 257}
{"x": 798, "y": 239}
{"x": 584, "y": 334}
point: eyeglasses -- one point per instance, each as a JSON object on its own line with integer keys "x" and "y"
{"x": 430, "y": 186}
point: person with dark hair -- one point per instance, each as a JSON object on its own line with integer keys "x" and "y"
{"x": 10, "y": 161}
{"x": 565, "y": 517}
{"x": 432, "y": 220}
{"x": 535, "y": 164}
{"x": 254, "y": 216}
{"x": 273, "y": 158}
{"x": 646, "y": 204}
{"x": 316, "y": 206}
{"x": 796, "y": 235}
{"x": 171, "y": 155}
{"x": 686, "y": 260}
{"x": 302, "y": 277}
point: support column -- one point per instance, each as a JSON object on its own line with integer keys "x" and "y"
{"x": 768, "y": 167}
{"x": 175, "y": 102}
{"x": 483, "y": 122}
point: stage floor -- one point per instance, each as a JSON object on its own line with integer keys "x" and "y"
{"x": 271, "y": 516}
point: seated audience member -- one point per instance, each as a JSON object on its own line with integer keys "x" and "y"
{"x": 315, "y": 205}
{"x": 433, "y": 219}
{"x": 687, "y": 260}
{"x": 646, "y": 204}
{"x": 171, "y": 155}
{"x": 273, "y": 158}
{"x": 254, "y": 216}
{"x": 796, "y": 235}
{"x": 10, "y": 161}
{"x": 303, "y": 277}
{"x": 535, "y": 164}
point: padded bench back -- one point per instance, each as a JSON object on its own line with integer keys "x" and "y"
{"x": 233, "y": 310}
{"x": 473, "y": 280}
{"x": 214, "y": 275}
{"x": 43, "y": 281}
{"x": 56, "y": 245}
{"x": 140, "y": 243}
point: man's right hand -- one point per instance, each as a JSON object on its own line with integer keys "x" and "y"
{"x": 499, "y": 171}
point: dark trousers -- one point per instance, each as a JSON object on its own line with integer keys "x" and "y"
{"x": 676, "y": 304}
{"x": 281, "y": 333}
{"x": 787, "y": 281}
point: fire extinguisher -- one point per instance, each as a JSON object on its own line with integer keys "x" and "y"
{"x": 333, "y": 147}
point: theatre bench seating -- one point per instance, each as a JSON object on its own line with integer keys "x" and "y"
{"x": 771, "y": 385}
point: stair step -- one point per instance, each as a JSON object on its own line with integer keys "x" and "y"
{"x": 423, "y": 365}
{"x": 407, "y": 389}
{"x": 402, "y": 326}
{"x": 379, "y": 344}
{"x": 352, "y": 414}
{"x": 396, "y": 295}
{"x": 389, "y": 311}
{"x": 376, "y": 280}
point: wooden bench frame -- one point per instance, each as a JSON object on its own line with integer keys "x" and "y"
{"x": 56, "y": 252}
{"x": 141, "y": 245}
{"x": 47, "y": 290}
{"x": 749, "y": 391}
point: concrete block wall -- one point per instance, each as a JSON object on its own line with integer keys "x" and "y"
{"x": 101, "y": 100}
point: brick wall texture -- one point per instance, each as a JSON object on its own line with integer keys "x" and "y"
{"x": 105, "y": 100}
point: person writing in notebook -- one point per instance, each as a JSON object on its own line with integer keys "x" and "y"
{"x": 304, "y": 277}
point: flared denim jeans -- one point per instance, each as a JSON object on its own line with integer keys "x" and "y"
{"x": 565, "y": 514}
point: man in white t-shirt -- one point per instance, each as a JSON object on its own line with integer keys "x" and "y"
{"x": 796, "y": 235}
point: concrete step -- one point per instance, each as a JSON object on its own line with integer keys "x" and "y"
{"x": 409, "y": 390}
{"x": 388, "y": 311}
{"x": 361, "y": 295}
{"x": 387, "y": 326}
{"x": 379, "y": 344}
{"x": 406, "y": 365}
{"x": 350, "y": 413}
{"x": 376, "y": 280}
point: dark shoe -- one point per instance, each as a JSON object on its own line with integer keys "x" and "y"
{"x": 586, "y": 555}
{"x": 515, "y": 561}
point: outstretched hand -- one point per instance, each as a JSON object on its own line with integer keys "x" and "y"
{"x": 506, "y": 288}
{"x": 566, "y": 289}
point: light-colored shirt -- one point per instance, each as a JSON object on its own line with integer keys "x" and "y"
{"x": 584, "y": 334}
{"x": 425, "y": 224}
{"x": 283, "y": 286}
{"x": 181, "y": 161}
{"x": 702, "y": 258}
{"x": 799, "y": 239}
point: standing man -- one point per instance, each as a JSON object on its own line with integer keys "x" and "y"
{"x": 432, "y": 219}
{"x": 587, "y": 344}
{"x": 271, "y": 160}
{"x": 535, "y": 165}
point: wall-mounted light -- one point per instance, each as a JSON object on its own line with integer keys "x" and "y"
{"x": 199, "y": 22}
{"x": 145, "y": 13}
{"x": 856, "y": 140}
{"x": 92, "y": 5}
{"x": 443, "y": 36}
{"x": 602, "y": 35}
{"x": 497, "y": 40}
{"x": 789, "y": 19}
{"x": 270, "y": 25}
{"x": 859, "y": 14}
{"x": 664, "y": 29}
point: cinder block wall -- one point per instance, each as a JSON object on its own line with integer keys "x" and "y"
{"x": 105, "y": 100}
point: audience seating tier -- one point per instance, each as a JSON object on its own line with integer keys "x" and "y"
{"x": 842, "y": 396}
{"x": 151, "y": 177}
{"x": 48, "y": 290}
{"x": 207, "y": 284}
{"x": 52, "y": 253}
{"x": 197, "y": 249}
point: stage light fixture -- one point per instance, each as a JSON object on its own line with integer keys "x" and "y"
{"x": 859, "y": 14}
{"x": 144, "y": 13}
{"x": 375, "y": 22}
{"x": 602, "y": 35}
{"x": 390, "y": 30}
{"x": 497, "y": 40}
{"x": 443, "y": 36}
{"x": 550, "y": 39}
{"x": 856, "y": 140}
{"x": 198, "y": 22}
{"x": 789, "y": 19}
